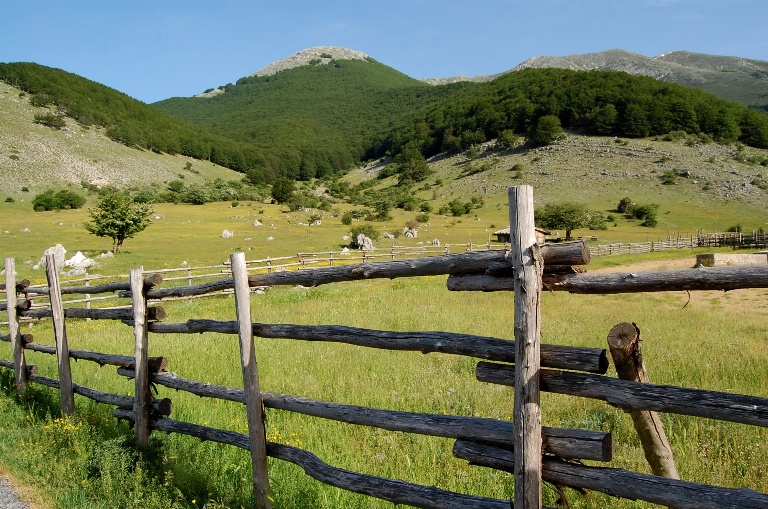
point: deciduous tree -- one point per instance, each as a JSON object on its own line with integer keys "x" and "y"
{"x": 118, "y": 217}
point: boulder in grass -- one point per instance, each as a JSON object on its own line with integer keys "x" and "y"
{"x": 226, "y": 234}
{"x": 59, "y": 254}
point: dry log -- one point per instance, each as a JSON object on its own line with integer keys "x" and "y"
{"x": 254, "y": 409}
{"x": 592, "y": 360}
{"x": 20, "y": 286}
{"x": 153, "y": 313}
{"x": 31, "y": 369}
{"x": 565, "y": 443}
{"x": 150, "y": 281}
{"x": 161, "y": 407}
{"x": 624, "y": 344}
{"x": 528, "y": 267}
{"x": 19, "y": 362}
{"x": 143, "y": 395}
{"x": 397, "y": 492}
{"x": 21, "y": 305}
{"x": 567, "y": 253}
{"x": 60, "y": 335}
{"x": 631, "y": 396}
{"x": 703, "y": 278}
{"x": 125, "y": 361}
{"x": 25, "y": 338}
{"x": 618, "y": 482}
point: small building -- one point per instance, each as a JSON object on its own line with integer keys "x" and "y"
{"x": 503, "y": 235}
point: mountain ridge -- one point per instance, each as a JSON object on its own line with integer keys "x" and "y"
{"x": 739, "y": 79}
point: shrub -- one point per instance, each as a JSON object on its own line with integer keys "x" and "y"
{"x": 366, "y": 229}
{"x": 669, "y": 178}
{"x": 422, "y": 218}
{"x": 625, "y": 204}
{"x": 145, "y": 196}
{"x": 53, "y": 120}
{"x": 63, "y": 199}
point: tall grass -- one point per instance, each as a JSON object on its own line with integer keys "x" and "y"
{"x": 717, "y": 341}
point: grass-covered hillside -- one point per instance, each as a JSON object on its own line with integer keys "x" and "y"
{"x": 125, "y": 120}
{"x": 311, "y": 120}
{"x": 37, "y": 157}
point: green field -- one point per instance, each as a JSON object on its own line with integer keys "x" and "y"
{"x": 717, "y": 341}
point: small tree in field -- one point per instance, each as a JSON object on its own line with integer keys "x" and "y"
{"x": 118, "y": 217}
{"x": 566, "y": 216}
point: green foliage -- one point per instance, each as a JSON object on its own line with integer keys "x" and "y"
{"x": 669, "y": 178}
{"x": 9, "y": 199}
{"x": 546, "y": 130}
{"x": 422, "y": 217}
{"x": 507, "y": 139}
{"x": 411, "y": 167}
{"x": 567, "y": 216}
{"x": 118, "y": 217}
{"x": 647, "y": 212}
{"x": 57, "y": 200}
{"x": 283, "y": 189}
{"x": 126, "y": 120}
{"x": 53, "y": 120}
{"x": 625, "y": 204}
{"x": 606, "y": 103}
{"x": 457, "y": 208}
{"x": 368, "y": 230}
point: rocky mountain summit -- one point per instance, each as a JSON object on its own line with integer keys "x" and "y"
{"x": 319, "y": 55}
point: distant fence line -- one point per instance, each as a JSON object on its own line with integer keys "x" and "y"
{"x": 755, "y": 240}
{"x": 197, "y": 275}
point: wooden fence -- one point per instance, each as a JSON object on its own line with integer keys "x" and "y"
{"x": 523, "y": 447}
{"x": 755, "y": 240}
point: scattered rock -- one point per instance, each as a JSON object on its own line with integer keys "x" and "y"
{"x": 226, "y": 234}
{"x": 256, "y": 222}
{"x": 363, "y": 242}
{"x": 57, "y": 251}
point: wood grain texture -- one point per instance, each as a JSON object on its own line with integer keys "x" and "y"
{"x": 254, "y": 409}
{"x": 60, "y": 335}
{"x": 631, "y": 396}
{"x": 528, "y": 267}
{"x": 624, "y": 344}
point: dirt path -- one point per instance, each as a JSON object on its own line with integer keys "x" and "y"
{"x": 8, "y": 498}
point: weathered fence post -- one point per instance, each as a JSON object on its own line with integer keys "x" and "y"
{"x": 528, "y": 268}
{"x": 19, "y": 362}
{"x": 253, "y": 402}
{"x": 143, "y": 396}
{"x": 624, "y": 342}
{"x": 60, "y": 334}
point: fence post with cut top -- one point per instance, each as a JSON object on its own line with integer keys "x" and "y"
{"x": 528, "y": 266}
{"x": 253, "y": 401}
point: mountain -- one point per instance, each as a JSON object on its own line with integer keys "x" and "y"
{"x": 738, "y": 79}
{"x": 311, "y": 114}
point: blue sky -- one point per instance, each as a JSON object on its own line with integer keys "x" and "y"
{"x": 153, "y": 50}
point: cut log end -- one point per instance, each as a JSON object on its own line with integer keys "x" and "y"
{"x": 623, "y": 336}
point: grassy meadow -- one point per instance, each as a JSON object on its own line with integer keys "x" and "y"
{"x": 717, "y": 341}
{"x": 706, "y": 340}
{"x": 709, "y": 340}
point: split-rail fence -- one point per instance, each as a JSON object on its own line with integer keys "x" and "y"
{"x": 530, "y": 452}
